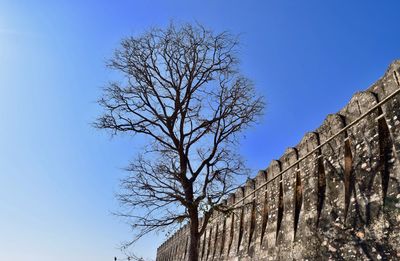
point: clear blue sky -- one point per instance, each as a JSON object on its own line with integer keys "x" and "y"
{"x": 58, "y": 175}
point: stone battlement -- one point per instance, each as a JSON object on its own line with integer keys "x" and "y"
{"x": 336, "y": 195}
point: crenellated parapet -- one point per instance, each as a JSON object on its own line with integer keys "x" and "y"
{"x": 336, "y": 195}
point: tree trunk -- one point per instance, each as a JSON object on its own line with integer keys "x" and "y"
{"x": 194, "y": 236}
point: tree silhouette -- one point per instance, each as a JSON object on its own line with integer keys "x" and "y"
{"x": 182, "y": 90}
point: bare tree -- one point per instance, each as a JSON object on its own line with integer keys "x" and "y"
{"x": 183, "y": 91}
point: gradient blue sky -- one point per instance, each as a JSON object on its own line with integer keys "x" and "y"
{"x": 58, "y": 175}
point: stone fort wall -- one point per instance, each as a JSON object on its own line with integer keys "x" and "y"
{"x": 336, "y": 195}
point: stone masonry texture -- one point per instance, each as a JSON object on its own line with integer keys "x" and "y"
{"x": 340, "y": 202}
